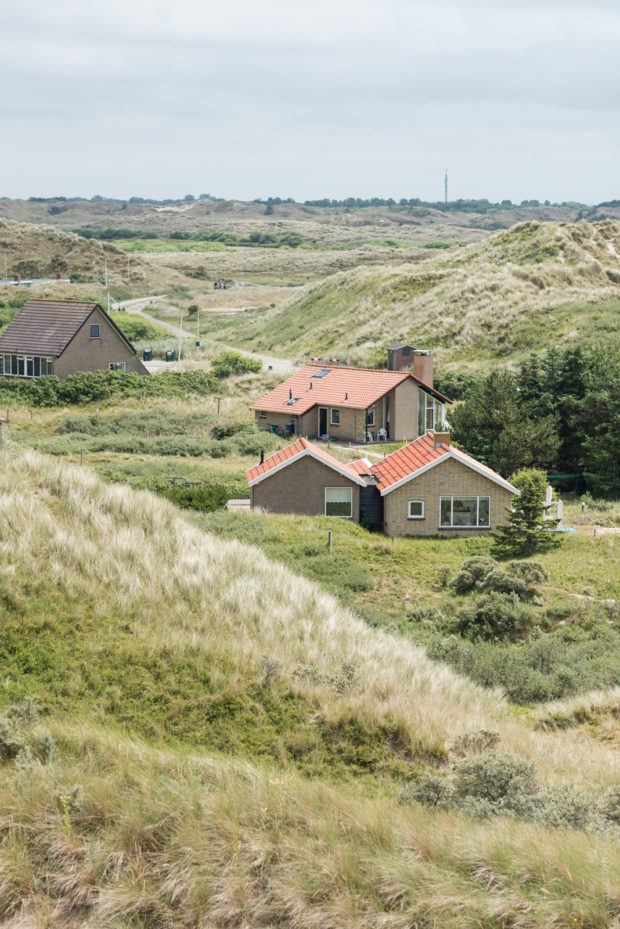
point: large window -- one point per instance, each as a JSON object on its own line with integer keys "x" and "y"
{"x": 335, "y": 418}
{"x": 465, "y": 512}
{"x": 371, "y": 416}
{"x": 339, "y": 502}
{"x": 430, "y": 412}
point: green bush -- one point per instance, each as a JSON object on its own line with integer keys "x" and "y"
{"x": 430, "y": 790}
{"x": 505, "y": 780}
{"x": 228, "y": 363}
{"x": 495, "y": 617}
{"x": 480, "y": 573}
{"x": 89, "y": 387}
{"x": 137, "y": 329}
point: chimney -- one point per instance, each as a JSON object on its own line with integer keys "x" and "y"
{"x": 423, "y": 367}
{"x": 290, "y": 394}
{"x": 262, "y": 456}
{"x": 310, "y": 387}
{"x": 346, "y": 396}
{"x": 441, "y": 438}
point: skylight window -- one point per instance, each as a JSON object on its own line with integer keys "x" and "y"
{"x": 322, "y": 372}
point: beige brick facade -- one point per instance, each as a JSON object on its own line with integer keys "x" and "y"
{"x": 397, "y": 413}
{"x": 449, "y": 478}
{"x": 86, "y": 354}
{"x": 300, "y": 488}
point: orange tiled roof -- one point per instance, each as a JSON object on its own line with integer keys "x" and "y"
{"x": 407, "y": 460}
{"x": 357, "y": 388}
{"x": 404, "y": 462}
{"x": 361, "y": 466}
{"x": 291, "y": 451}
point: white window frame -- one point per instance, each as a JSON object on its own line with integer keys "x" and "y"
{"x": 370, "y": 416}
{"x": 262, "y": 414}
{"x": 117, "y": 366}
{"x": 1, "y": 364}
{"x": 411, "y": 515}
{"x": 332, "y": 421}
{"x": 49, "y": 366}
{"x": 432, "y": 410}
{"x": 452, "y": 498}
{"x": 98, "y": 327}
{"x": 335, "y": 515}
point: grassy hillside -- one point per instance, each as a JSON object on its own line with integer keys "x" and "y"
{"x": 528, "y": 288}
{"x": 118, "y": 614}
{"x": 245, "y": 697}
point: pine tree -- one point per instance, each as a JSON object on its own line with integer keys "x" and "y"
{"x": 527, "y": 529}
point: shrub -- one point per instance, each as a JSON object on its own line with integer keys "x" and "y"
{"x": 532, "y": 572}
{"x": 87, "y": 387}
{"x": 430, "y": 790}
{"x": 229, "y": 362}
{"x": 500, "y": 778}
{"x": 485, "y": 574}
{"x": 610, "y": 805}
{"x": 495, "y": 617}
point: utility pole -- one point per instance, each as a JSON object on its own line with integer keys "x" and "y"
{"x": 180, "y": 343}
{"x": 128, "y": 276}
{"x": 445, "y": 186}
{"x": 198, "y": 328}
{"x": 105, "y": 274}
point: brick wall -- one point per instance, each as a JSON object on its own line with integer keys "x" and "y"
{"x": 300, "y": 488}
{"x": 350, "y": 429}
{"x": 86, "y": 354}
{"x": 450, "y": 478}
{"x": 404, "y": 415}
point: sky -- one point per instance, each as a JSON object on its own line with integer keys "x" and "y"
{"x": 517, "y": 99}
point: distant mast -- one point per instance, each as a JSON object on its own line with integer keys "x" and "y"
{"x": 445, "y": 186}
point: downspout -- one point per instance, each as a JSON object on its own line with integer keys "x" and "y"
{"x": 365, "y": 425}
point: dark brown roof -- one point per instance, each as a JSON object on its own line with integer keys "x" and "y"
{"x": 45, "y": 327}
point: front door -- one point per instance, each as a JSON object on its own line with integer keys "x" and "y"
{"x": 322, "y": 421}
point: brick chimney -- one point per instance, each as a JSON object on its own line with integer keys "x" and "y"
{"x": 441, "y": 438}
{"x": 423, "y": 367}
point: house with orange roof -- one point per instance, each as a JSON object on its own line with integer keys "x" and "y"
{"x": 427, "y": 487}
{"x": 343, "y": 403}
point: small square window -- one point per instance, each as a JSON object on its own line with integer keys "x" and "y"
{"x": 95, "y": 331}
{"x": 416, "y": 509}
{"x": 335, "y": 419}
{"x": 262, "y": 414}
{"x": 371, "y": 417}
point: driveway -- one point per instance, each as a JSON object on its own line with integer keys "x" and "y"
{"x": 139, "y": 306}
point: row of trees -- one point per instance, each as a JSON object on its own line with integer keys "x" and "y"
{"x": 559, "y": 412}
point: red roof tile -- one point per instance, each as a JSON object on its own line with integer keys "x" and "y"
{"x": 292, "y": 451}
{"x": 406, "y": 461}
{"x": 357, "y": 388}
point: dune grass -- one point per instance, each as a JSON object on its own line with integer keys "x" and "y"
{"x": 265, "y": 734}
{"x": 114, "y": 833}
{"x": 521, "y": 290}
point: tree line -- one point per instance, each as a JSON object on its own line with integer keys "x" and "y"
{"x": 559, "y": 411}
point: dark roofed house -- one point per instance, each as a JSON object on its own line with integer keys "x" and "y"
{"x": 355, "y": 404}
{"x": 64, "y": 336}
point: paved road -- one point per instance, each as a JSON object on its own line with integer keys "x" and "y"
{"x": 138, "y": 307}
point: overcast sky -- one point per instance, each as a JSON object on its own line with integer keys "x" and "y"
{"x": 518, "y": 99}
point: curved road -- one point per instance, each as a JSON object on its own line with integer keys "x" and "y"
{"x": 137, "y": 307}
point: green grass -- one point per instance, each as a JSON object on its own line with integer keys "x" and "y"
{"x": 397, "y": 585}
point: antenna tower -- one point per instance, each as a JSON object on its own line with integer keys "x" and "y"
{"x": 445, "y": 186}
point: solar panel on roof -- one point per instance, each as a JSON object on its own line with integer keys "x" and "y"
{"x": 322, "y": 372}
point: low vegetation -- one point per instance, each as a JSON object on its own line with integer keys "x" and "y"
{"x": 49, "y": 391}
{"x": 178, "y": 638}
{"x": 553, "y": 282}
